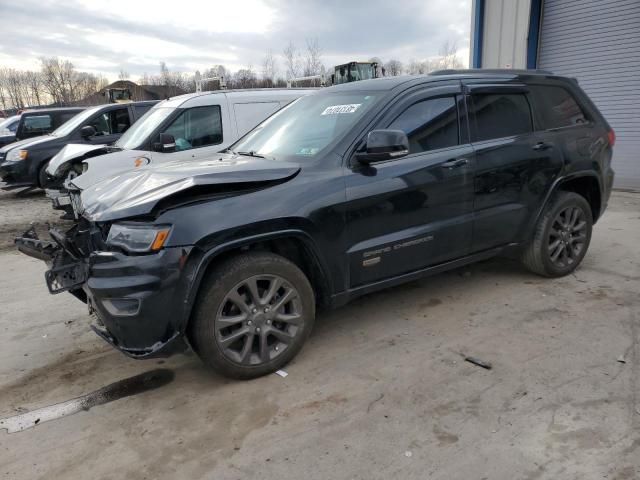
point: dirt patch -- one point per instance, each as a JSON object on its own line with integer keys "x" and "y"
{"x": 19, "y": 210}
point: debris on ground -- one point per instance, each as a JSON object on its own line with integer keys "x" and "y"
{"x": 478, "y": 362}
{"x": 374, "y": 401}
{"x": 282, "y": 373}
{"x": 621, "y": 359}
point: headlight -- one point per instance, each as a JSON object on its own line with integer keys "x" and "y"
{"x": 16, "y": 155}
{"x": 137, "y": 238}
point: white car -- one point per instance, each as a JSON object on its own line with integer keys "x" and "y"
{"x": 183, "y": 128}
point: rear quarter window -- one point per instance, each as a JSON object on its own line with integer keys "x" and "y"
{"x": 555, "y": 107}
{"x": 248, "y": 115}
{"x": 499, "y": 115}
{"x": 37, "y": 123}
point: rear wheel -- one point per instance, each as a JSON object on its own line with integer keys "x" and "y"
{"x": 254, "y": 313}
{"x": 562, "y": 236}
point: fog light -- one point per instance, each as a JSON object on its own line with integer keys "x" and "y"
{"x": 122, "y": 307}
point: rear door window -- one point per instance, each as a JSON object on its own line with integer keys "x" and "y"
{"x": 499, "y": 115}
{"x": 197, "y": 127}
{"x": 430, "y": 124}
{"x": 37, "y": 124}
{"x": 555, "y": 107}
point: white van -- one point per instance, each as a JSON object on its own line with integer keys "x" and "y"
{"x": 188, "y": 127}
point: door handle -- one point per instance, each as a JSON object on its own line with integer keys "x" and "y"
{"x": 456, "y": 163}
{"x": 541, "y": 146}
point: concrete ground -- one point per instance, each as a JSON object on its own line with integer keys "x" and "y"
{"x": 379, "y": 391}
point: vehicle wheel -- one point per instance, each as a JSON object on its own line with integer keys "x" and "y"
{"x": 561, "y": 237}
{"x": 253, "y": 315}
{"x": 43, "y": 179}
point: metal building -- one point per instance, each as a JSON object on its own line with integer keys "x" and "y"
{"x": 595, "y": 41}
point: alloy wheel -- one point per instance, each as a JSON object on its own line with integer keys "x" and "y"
{"x": 258, "y": 320}
{"x": 567, "y": 237}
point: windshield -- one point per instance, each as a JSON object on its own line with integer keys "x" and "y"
{"x": 76, "y": 121}
{"x": 139, "y": 132}
{"x": 9, "y": 125}
{"x": 307, "y": 126}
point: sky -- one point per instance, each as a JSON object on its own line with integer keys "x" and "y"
{"x": 106, "y": 36}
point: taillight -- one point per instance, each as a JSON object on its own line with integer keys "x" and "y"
{"x": 611, "y": 135}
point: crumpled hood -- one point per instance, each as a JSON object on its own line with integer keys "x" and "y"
{"x": 71, "y": 153}
{"x": 103, "y": 166}
{"x": 137, "y": 192}
{"x": 26, "y": 143}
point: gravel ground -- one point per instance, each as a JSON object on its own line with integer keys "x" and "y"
{"x": 380, "y": 391}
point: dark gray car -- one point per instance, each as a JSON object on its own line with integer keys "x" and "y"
{"x": 23, "y": 163}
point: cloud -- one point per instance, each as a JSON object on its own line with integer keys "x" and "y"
{"x": 190, "y": 35}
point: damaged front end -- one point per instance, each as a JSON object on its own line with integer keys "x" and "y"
{"x": 131, "y": 298}
{"x": 128, "y": 255}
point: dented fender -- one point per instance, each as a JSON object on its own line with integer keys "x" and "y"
{"x": 72, "y": 154}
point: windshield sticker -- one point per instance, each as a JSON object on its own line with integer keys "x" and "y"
{"x": 337, "y": 109}
{"x": 309, "y": 151}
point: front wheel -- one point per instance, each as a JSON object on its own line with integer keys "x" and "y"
{"x": 43, "y": 177}
{"x": 561, "y": 237}
{"x": 254, "y": 313}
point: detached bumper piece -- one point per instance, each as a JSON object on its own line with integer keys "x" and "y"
{"x": 31, "y": 245}
{"x": 66, "y": 272}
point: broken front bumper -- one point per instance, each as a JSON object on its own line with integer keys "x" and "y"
{"x": 138, "y": 300}
{"x": 66, "y": 272}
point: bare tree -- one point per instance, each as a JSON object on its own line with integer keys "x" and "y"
{"x": 313, "y": 58}
{"x": 215, "y": 71}
{"x": 394, "y": 67}
{"x": 291, "y": 60}
{"x": 35, "y": 84}
{"x": 245, "y": 78}
{"x": 269, "y": 69}
{"x": 11, "y": 85}
{"x": 58, "y": 79}
{"x": 144, "y": 79}
{"x": 416, "y": 67}
{"x": 449, "y": 55}
{"x": 123, "y": 75}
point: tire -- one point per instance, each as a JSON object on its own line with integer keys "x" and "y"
{"x": 560, "y": 240}
{"x": 43, "y": 179}
{"x": 266, "y": 338}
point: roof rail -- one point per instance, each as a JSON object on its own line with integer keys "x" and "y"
{"x": 490, "y": 70}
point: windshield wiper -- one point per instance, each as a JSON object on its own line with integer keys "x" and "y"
{"x": 250, "y": 153}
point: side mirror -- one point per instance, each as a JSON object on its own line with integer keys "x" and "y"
{"x": 87, "y": 131}
{"x": 384, "y": 145}
{"x": 166, "y": 144}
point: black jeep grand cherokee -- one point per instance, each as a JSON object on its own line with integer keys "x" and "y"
{"x": 346, "y": 191}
